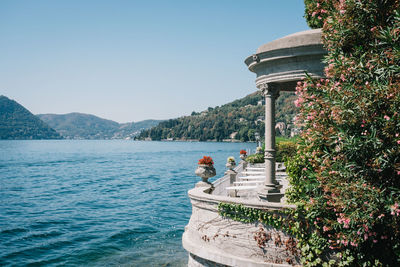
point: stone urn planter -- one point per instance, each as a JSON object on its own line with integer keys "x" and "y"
{"x": 205, "y": 171}
{"x": 243, "y": 154}
{"x": 230, "y": 163}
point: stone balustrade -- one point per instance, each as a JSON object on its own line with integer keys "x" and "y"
{"x": 213, "y": 240}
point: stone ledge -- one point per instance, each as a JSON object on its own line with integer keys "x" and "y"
{"x": 213, "y": 256}
{"x": 199, "y": 194}
{"x": 217, "y": 241}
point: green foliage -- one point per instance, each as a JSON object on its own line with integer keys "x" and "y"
{"x": 345, "y": 177}
{"x": 238, "y": 212}
{"x": 240, "y": 116}
{"x": 255, "y": 158}
{"x": 285, "y": 150}
{"x": 16, "y": 122}
{"x": 316, "y": 12}
{"x": 288, "y": 220}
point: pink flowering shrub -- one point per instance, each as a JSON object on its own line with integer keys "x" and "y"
{"x": 346, "y": 175}
{"x": 316, "y": 12}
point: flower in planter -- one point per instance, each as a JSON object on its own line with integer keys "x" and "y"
{"x": 243, "y": 154}
{"x": 206, "y": 161}
{"x": 259, "y": 149}
{"x": 205, "y": 169}
{"x": 231, "y": 160}
{"x": 230, "y": 163}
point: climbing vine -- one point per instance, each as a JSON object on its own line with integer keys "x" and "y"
{"x": 304, "y": 239}
{"x": 281, "y": 220}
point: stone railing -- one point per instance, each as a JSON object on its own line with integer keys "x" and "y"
{"x": 220, "y": 185}
{"x": 213, "y": 240}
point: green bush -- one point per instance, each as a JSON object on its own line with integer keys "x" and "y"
{"x": 285, "y": 150}
{"x": 345, "y": 178}
{"x": 255, "y": 158}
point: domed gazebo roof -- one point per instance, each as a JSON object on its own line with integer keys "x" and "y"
{"x": 304, "y": 38}
{"x": 286, "y": 60}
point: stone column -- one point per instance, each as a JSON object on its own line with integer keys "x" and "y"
{"x": 270, "y": 190}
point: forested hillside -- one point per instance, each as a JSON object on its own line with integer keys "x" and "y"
{"x": 16, "y": 122}
{"x": 86, "y": 126}
{"x": 238, "y": 120}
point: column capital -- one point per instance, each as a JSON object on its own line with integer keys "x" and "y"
{"x": 269, "y": 89}
{"x": 269, "y": 153}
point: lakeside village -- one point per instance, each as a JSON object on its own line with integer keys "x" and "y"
{"x": 334, "y": 201}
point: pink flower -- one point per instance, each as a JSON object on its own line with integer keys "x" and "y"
{"x": 342, "y": 11}
{"x": 398, "y": 142}
{"x": 386, "y": 117}
{"x": 353, "y": 244}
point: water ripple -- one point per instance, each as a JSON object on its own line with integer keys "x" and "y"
{"x": 98, "y": 203}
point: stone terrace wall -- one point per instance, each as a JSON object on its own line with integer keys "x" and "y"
{"x": 212, "y": 240}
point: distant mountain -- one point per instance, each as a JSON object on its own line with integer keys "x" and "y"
{"x": 238, "y": 120}
{"x": 16, "y": 122}
{"x": 86, "y": 126}
{"x": 132, "y": 129}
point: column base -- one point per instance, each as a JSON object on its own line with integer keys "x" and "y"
{"x": 270, "y": 193}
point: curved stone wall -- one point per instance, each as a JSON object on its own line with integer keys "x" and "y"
{"x": 213, "y": 240}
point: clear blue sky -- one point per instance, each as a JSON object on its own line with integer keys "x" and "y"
{"x": 135, "y": 60}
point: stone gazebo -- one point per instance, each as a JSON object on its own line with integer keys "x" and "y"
{"x": 279, "y": 65}
{"x": 213, "y": 240}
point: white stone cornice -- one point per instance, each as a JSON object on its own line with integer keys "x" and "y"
{"x": 288, "y": 59}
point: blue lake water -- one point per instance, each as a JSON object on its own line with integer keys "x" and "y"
{"x": 99, "y": 203}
